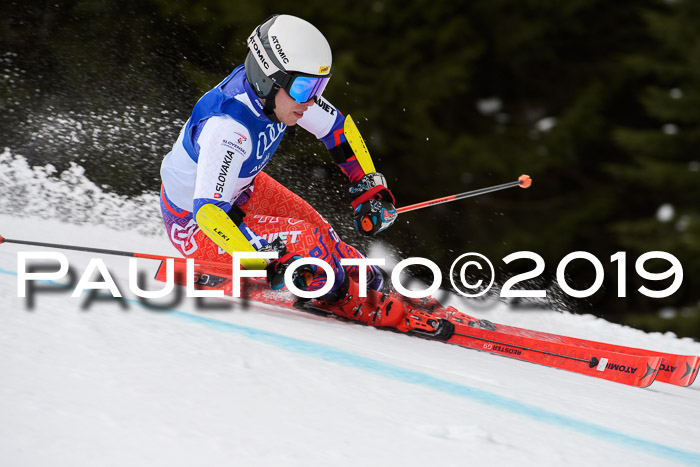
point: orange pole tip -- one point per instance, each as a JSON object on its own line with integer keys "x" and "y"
{"x": 2, "y": 239}
{"x": 525, "y": 181}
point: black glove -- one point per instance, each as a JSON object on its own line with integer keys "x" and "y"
{"x": 373, "y": 204}
{"x": 303, "y": 275}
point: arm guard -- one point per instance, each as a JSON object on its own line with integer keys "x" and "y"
{"x": 359, "y": 148}
{"x": 220, "y": 227}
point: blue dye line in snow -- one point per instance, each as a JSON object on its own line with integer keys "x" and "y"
{"x": 349, "y": 359}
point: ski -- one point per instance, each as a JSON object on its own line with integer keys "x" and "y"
{"x": 607, "y": 361}
{"x": 634, "y": 370}
{"x": 680, "y": 370}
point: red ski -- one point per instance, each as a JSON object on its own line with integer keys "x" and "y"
{"x": 635, "y": 370}
{"x": 466, "y": 331}
{"x": 680, "y": 370}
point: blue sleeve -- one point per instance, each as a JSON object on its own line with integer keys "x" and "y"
{"x": 336, "y": 136}
{"x": 340, "y": 150}
{"x": 199, "y": 202}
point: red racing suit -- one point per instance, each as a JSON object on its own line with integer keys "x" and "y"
{"x": 219, "y": 159}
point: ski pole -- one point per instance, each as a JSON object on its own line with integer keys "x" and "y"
{"x": 103, "y": 251}
{"x": 524, "y": 181}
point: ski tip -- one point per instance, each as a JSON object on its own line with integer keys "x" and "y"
{"x": 2, "y": 239}
{"x": 525, "y": 181}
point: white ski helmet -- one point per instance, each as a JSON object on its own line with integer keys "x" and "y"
{"x": 286, "y": 52}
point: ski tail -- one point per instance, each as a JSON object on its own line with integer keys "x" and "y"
{"x": 634, "y": 370}
{"x": 679, "y": 370}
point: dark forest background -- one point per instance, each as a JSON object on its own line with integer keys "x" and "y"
{"x": 598, "y": 101}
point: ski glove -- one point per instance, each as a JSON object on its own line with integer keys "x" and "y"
{"x": 373, "y": 204}
{"x": 303, "y": 275}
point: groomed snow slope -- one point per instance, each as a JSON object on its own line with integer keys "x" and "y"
{"x": 261, "y": 386}
{"x": 109, "y": 386}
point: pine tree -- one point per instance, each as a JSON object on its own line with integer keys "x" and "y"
{"x": 662, "y": 173}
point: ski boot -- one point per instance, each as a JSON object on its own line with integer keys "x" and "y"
{"x": 426, "y": 317}
{"x": 386, "y": 308}
{"x": 376, "y": 309}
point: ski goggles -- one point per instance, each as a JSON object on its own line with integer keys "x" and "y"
{"x": 304, "y": 87}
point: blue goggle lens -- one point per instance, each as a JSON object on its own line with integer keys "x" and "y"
{"x": 304, "y": 88}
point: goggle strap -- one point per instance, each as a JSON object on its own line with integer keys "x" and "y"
{"x": 261, "y": 55}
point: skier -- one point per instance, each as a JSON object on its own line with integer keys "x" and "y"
{"x": 216, "y": 199}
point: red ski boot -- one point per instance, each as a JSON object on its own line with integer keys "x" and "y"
{"x": 376, "y": 309}
{"x": 388, "y": 309}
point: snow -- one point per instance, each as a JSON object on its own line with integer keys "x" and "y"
{"x": 546, "y": 124}
{"x": 670, "y": 129}
{"x": 110, "y": 384}
{"x": 489, "y": 106}
{"x": 665, "y": 213}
